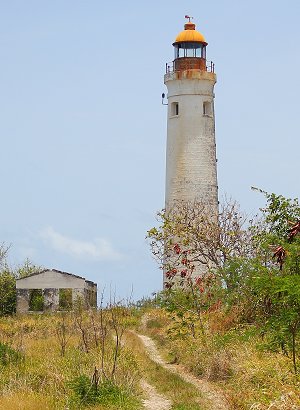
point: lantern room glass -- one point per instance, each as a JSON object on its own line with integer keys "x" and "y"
{"x": 190, "y": 49}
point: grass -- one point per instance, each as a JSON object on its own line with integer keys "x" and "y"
{"x": 35, "y": 375}
{"x": 229, "y": 358}
{"x": 26, "y": 400}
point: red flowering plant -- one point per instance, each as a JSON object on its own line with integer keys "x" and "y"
{"x": 193, "y": 247}
{"x": 200, "y": 286}
{"x": 191, "y": 240}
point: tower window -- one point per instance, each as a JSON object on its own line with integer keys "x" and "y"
{"x": 207, "y": 108}
{"x": 174, "y": 109}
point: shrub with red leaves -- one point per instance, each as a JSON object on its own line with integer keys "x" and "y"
{"x": 280, "y": 254}
{"x": 183, "y": 273}
{"x": 177, "y": 249}
{"x": 293, "y": 231}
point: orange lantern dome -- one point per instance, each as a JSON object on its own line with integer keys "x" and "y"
{"x": 190, "y": 34}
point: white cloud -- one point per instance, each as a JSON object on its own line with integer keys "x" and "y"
{"x": 98, "y": 249}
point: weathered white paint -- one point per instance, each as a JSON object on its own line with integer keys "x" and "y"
{"x": 191, "y": 171}
{"x": 51, "y": 279}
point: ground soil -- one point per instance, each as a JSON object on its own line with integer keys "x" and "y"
{"x": 154, "y": 399}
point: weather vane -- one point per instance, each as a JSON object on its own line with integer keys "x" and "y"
{"x": 188, "y": 17}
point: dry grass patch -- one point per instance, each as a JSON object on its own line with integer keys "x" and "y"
{"x": 44, "y": 367}
{"x": 26, "y": 401}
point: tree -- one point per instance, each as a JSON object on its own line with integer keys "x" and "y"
{"x": 7, "y": 284}
{"x": 7, "y": 292}
{"x": 277, "y": 288}
{"x": 3, "y": 253}
{"x": 189, "y": 236}
{"x": 27, "y": 268}
{"x": 8, "y": 278}
{"x": 256, "y": 261}
{"x": 197, "y": 250}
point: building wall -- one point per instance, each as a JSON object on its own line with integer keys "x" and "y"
{"x": 51, "y": 279}
{"x": 50, "y": 282}
{"x": 23, "y": 300}
{"x": 91, "y": 293}
{"x": 191, "y": 164}
{"x": 51, "y": 299}
{"x": 191, "y": 171}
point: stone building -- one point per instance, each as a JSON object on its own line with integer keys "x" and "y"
{"x": 51, "y": 290}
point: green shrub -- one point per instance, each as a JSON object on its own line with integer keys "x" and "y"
{"x": 8, "y": 355}
{"x": 84, "y": 391}
{"x": 7, "y": 293}
{"x": 36, "y": 300}
{"x": 65, "y": 299}
{"x": 106, "y": 393}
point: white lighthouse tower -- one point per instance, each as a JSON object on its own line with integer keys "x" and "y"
{"x": 191, "y": 171}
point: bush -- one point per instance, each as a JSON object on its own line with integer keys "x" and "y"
{"x": 36, "y": 302}
{"x": 84, "y": 390}
{"x": 65, "y": 299}
{"x": 106, "y": 393}
{"x": 8, "y": 355}
{"x": 7, "y": 293}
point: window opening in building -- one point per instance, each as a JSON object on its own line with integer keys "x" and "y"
{"x": 36, "y": 300}
{"x": 207, "y": 108}
{"x": 175, "y": 108}
{"x": 65, "y": 299}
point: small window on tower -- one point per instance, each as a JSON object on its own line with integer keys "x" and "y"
{"x": 174, "y": 109}
{"x": 207, "y": 108}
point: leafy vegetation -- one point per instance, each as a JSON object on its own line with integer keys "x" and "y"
{"x": 243, "y": 306}
{"x": 36, "y": 300}
{"x": 8, "y": 355}
{"x": 107, "y": 393}
{"x": 65, "y": 299}
{"x": 8, "y": 278}
{"x": 7, "y": 292}
{"x": 234, "y": 323}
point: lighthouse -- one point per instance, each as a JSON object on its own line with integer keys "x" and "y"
{"x": 191, "y": 170}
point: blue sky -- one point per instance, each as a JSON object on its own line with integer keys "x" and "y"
{"x": 83, "y": 130}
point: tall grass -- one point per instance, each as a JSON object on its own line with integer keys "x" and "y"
{"x": 36, "y": 374}
{"x": 233, "y": 357}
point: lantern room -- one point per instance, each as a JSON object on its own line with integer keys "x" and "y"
{"x": 190, "y": 49}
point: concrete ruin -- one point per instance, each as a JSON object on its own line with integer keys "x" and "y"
{"x": 52, "y": 290}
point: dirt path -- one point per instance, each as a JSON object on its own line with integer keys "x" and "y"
{"x": 154, "y": 399}
{"x": 217, "y": 401}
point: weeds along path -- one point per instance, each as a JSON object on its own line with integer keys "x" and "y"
{"x": 215, "y": 398}
{"x": 154, "y": 399}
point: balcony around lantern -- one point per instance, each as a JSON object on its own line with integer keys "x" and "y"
{"x": 190, "y": 67}
{"x": 190, "y": 63}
